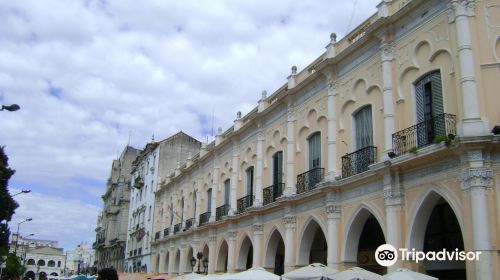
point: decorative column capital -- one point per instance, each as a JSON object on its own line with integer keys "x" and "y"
{"x": 387, "y": 49}
{"x": 212, "y": 239}
{"x": 333, "y": 211}
{"x": 232, "y": 234}
{"x": 258, "y": 229}
{"x": 290, "y": 221}
{"x": 333, "y": 88}
{"x": 477, "y": 177}
{"x": 393, "y": 197}
{"x": 461, "y": 8}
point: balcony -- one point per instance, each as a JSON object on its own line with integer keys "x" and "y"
{"x": 273, "y": 192}
{"x": 430, "y": 131}
{"x": 189, "y": 223}
{"x": 307, "y": 181}
{"x": 358, "y": 161}
{"x": 243, "y": 203}
{"x": 166, "y": 232}
{"x": 177, "y": 227}
{"x": 138, "y": 183}
{"x": 221, "y": 211}
{"x": 157, "y": 235}
{"x": 204, "y": 218}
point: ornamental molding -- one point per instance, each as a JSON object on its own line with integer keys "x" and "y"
{"x": 232, "y": 234}
{"x": 393, "y": 197}
{"x": 475, "y": 155}
{"x": 461, "y": 8}
{"x": 290, "y": 221}
{"x": 478, "y": 177}
{"x": 387, "y": 51}
{"x": 259, "y": 228}
{"x": 333, "y": 88}
{"x": 212, "y": 239}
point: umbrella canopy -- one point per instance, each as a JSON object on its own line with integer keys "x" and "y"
{"x": 211, "y": 277}
{"x": 252, "y": 274}
{"x": 188, "y": 276}
{"x": 406, "y": 274}
{"x": 315, "y": 271}
{"x": 357, "y": 273}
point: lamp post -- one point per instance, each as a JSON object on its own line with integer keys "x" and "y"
{"x": 24, "y": 250}
{"x": 10, "y": 108}
{"x": 23, "y": 191}
{"x": 193, "y": 263}
{"x": 17, "y": 234}
{"x": 205, "y": 265}
{"x": 199, "y": 256}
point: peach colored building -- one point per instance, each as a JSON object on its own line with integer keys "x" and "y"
{"x": 390, "y": 136}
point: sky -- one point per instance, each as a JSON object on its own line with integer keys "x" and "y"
{"x": 93, "y": 75}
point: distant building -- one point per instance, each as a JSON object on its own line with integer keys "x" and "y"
{"x": 111, "y": 230}
{"x": 41, "y": 257}
{"x": 157, "y": 161}
{"x": 81, "y": 260}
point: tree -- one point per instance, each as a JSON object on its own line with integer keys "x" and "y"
{"x": 7, "y": 204}
{"x": 13, "y": 267}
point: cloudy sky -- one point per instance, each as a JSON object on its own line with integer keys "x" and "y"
{"x": 89, "y": 73}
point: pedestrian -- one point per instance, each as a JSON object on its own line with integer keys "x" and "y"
{"x": 107, "y": 274}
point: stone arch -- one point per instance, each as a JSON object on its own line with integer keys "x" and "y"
{"x": 30, "y": 274}
{"x": 205, "y": 251}
{"x": 274, "y": 246}
{"x": 222, "y": 255}
{"x": 167, "y": 262}
{"x": 421, "y": 212}
{"x": 31, "y": 262}
{"x": 311, "y": 232}
{"x": 40, "y": 263}
{"x": 401, "y": 78}
{"x": 51, "y": 263}
{"x": 54, "y": 274}
{"x": 342, "y": 112}
{"x": 438, "y": 52}
{"x": 245, "y": 253}
{"x": 354, "y": 229}
{"x": 420, "y": 50}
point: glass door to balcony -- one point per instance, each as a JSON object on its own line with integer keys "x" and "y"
{"x": 429, "y": 102}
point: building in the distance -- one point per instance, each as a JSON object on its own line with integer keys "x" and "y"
{"x": 81, "y": 260}
{"x": 390, "y": 136}
{"x": 42, "y": 258}
{"x": 155, "y": 162}
{"x": 111, "y": 230}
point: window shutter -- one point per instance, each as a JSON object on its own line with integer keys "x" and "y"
{"x": 419, "y": 98}
{"x": 437, "y": 94}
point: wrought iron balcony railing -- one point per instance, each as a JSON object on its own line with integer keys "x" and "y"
{"x": 166, "y": 232}
{"x": 204, "y": 218}
{"x": 358, "y": 161}
{"x": 189, "y": 223}
{"x": 221, "y": 211}
{"x": 157, "y": 235}
{"x": 273, "y": 192}
{"x": 307, "y": 181}
{"x": 243, "y": 203}
{"x": 177, "y": 227}
{"x": 424, "y": 133}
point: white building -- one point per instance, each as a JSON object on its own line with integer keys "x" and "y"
{"x": 154, "y": 163}
{"x": 81, "y": 260}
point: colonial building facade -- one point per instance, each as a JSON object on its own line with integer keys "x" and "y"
{"x": 390, "y": 136}
{"x": 111, "y": 230}
{"x": 155, "y": 161}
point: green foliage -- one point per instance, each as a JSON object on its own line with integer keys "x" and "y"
{"x": 442, "y": 138}
{"x": 7, "y": 204}
{"x": 13, "y": 267}
{"x": 413, "y": 150}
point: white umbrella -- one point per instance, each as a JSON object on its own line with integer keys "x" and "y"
{"x": 315, "y": 271}
{"x": 188, "y": 276}
{"x": 406, "y": 274}
{"x": 357, "y": 273}
{"x": 252, "y": 274}
{"x": 211, "y": 277}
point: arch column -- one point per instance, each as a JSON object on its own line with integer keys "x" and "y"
{"x": 290, "y": 225}
{"x": 393, "y": 196}
{"x": 333, "y": 213}
{"x": 290, "y": 188}
{"x": 163, "y": 265}
{"x": 234, "y": 177}
{"x": 199, "y": 184}
{"x": 182, "y": 261}
{"x": 258, "y": 234}
{"x": 387, "y": 57}
{"x": 461, "y": 11}
{"x": 154, "y": 262}
{"x": 259, "y": 167}
{"x": 231, "y": 256}
{"x": 332, "y": 171}
{"x": 212, "y": 239}
{"x": 171, "y": 260}
{"x": 478, "y": 180}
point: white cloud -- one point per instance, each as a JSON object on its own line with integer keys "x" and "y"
{"x": 55, "y": 218}
{"x": 150, "y": 67}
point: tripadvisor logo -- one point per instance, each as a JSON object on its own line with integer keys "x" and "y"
{"x": 387, "y": 255}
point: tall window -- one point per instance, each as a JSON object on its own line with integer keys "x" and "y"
{"x": 194, "y": 203}
{"x": 278, "y": 167}
{"x": 429, "y": 102}
{"x": 209, "y": 200}
{"x": 171, "y": 213}
{"x": 314, "y": 142}
{"x": 249, "y": 175}
{"x": 149, "y": 214}
{"x": 227, "y": 191}
{"x": 182, "y": 210}
{"x": 363, "y": 125}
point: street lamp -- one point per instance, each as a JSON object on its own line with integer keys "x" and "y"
{"x": 205, "y": 265}
{"x": 10, "y": 108}
{"x": 199, "y": 256}
{"x": 24, "y": 251}
{"x": 17, "y": 238}
{"x": 193, "y": 263}
{"x": 23, "y": 191}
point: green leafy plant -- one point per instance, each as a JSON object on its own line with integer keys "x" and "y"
{"x": 13, "y": 267}
{"x": 442, "y": 138}
{"x": 413, "y": 150}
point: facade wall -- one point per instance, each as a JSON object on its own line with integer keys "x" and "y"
{"x": 379, "y": 64}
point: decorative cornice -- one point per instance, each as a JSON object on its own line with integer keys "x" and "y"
{"x": 477, "y": 177}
